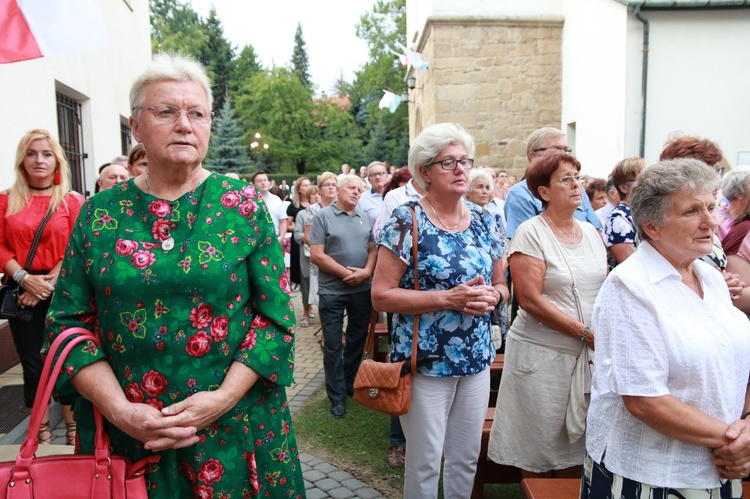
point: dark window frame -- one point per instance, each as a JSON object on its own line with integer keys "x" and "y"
{"x": 70, "y": 132}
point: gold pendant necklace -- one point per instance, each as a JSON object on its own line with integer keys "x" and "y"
{"x": 443, "y": 223}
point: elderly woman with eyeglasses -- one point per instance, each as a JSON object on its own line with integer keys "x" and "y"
{"x": 481, "y": 193}
{"x": 461, "y": 281}
{"x": 180, "y": 274}
{"x": 557, "y": 264}
{"x": 670, "y": 389}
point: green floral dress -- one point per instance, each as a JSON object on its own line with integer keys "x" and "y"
{"x": 178, "y": 291}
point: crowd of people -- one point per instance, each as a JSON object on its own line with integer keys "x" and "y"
{"x": 620, "y": 305}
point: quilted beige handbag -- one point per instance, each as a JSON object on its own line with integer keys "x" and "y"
{"x": 384, "y": 386}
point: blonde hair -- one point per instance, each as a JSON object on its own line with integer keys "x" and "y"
{"x": 19, "y": 194}
{"x": 327, "y": 175}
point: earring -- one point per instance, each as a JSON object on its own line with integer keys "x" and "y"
{"x": 57, "y": 180}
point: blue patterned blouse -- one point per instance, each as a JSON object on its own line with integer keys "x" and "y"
{"x": 445, "y": 260}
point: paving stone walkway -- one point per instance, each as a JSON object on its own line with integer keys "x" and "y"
{"x": 322, "y": 479}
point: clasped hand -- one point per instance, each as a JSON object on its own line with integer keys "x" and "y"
{"x": 734, "y": 283}
{"x": 733, "y": 458}
{"x": 35, "y": 289}
{"x": 357, "y": 276}
{"x": 175, "y": 426}
{"x": 474, "y": 297}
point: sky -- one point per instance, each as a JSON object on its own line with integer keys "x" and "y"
{"x": 328, "y": 28}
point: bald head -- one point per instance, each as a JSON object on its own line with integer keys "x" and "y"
{"x": 111, "y": 175}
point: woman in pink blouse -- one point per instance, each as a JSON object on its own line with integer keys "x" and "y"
{"x": 41, "y": 185}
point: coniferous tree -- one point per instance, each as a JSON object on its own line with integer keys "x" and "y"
{"x": 175, "y": 27}
{"x": 378, "y": 149}
{"x": 300, "y": 59}
{"x": 217, "y": 55}
{"x": 227, "y": 151}
{"x": 244, "y": 67}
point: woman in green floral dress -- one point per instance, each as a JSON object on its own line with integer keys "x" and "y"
{"x": 179, "y": 272}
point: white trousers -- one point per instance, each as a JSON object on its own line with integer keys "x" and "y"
{"x": 445, "y": 418}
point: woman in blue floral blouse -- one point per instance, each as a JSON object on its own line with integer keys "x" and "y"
{"x": 619, "y": 231}
{"x": 181, "y": 276}
{"x": 461, "y": 282}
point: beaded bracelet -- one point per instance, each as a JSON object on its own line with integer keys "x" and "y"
{"x": 19, "y": 276}
{"x": 585, "y": 333}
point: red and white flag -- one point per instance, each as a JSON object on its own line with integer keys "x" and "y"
{"x": 30, "y": 29}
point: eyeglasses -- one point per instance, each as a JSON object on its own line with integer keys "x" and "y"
{"x": 166, "y": 113}
{"x": 720, "y": 170}
{"x": 559, "y": 148}
{"x": 450, "y": 163}
{"x": 377, "y": 174}
{"x": 568, "y": 180}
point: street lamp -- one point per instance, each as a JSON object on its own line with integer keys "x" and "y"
{"x": 256, "y": 142}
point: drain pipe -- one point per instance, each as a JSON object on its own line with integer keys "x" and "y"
{"x": 644, "y": 77}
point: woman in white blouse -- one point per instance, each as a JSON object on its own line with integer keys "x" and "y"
{"x": 672, "y": 354}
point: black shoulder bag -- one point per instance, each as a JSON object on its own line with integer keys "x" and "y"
{"x": 9, "y": 308}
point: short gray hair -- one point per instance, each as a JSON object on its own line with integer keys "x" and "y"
{"x": 537, "y": 138}
{"x": 373, "y": 165}
{"x": 735, "y": 183}
{"x": 346, "y": 179}
{"x": 654, "y": 190}
{"x": 165, "y": 67}
{"x": 479, "y": 174}
{"x": 431, "y": 141}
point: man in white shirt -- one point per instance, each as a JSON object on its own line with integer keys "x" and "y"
{"x": 495, "y": 204}
{"x": 395, "y": 198}
{"x": 274, "y": 203}
{"x": 371, "y": 201}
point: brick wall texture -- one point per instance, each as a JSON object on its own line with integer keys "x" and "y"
{"x": 500, "y": 79}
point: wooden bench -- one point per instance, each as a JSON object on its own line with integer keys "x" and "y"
{"x": 489, "y": 471}
{"x": 382, "y": 342}
{"x": 551, "y": 488}
{"x": 568, "y": 488}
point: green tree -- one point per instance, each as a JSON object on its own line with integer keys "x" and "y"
{"x": 300, "y": 60}
{"x": 217, "y": 56}
{"x": 244, "y": 67}
{"x": 227, "y": 151}
{"x": 339, "y": 142}
{"x": 378, "y": 149}
{"x": 384, "y": 26}
{"x": 381, "y": 28}
{"x": 280, "y": 107}
{"x": 175, "y": 27}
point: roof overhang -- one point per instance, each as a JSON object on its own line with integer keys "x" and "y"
{"x": 685, "y": 4}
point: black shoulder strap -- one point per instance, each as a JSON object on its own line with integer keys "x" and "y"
{"x": 37, "y": 238}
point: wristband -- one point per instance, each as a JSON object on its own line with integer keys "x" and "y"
{"x": 585, "y": 333}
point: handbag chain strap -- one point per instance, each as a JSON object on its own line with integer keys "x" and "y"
{"x": 373, "y": 321}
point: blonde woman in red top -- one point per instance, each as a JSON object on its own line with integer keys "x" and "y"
{"x": 41, "y": 185}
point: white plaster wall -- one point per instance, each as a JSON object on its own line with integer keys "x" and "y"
{"x": 100, "y": 79}
{"x": 417, "y": 11}
{"x": 699, "y": 79}
{"x": 595, "y": 83}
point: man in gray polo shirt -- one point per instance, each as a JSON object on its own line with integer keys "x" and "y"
{"x": 343, "y": 248}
